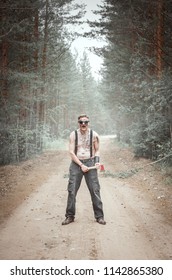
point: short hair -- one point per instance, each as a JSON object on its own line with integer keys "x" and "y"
{"x": 83, "y": 116}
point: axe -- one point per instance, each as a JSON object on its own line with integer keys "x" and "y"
{"x": 101, "y": 167}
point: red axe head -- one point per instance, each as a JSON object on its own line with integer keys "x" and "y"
{"x": 102, "y": 167}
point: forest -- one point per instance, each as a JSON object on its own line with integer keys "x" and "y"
{"x": 43, "y": 88}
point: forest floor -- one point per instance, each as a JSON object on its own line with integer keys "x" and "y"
{"x": 138, "y": 209}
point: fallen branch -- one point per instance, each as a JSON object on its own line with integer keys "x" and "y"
{"x": 129, "y": 173}
{"x": 157, "y": 161}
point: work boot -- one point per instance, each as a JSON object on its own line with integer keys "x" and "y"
{"x": 101, "y": 221}
{"x": 68, "y": 220}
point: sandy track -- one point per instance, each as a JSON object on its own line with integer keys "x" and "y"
{"x": 134, "y": 229}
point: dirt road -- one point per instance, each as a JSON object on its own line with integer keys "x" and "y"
{"x": 137, "y": 211}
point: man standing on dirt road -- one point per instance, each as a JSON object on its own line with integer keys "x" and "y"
{"x": 85, "y": 155}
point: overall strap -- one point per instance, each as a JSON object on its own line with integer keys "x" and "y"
{"x": 76, "y": 141}
{"x": 91, "y": 143}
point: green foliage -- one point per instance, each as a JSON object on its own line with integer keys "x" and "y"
{"x": 38, "y": 74}
{"x": 18, "y": 144}
{"x": 138, "y": 91}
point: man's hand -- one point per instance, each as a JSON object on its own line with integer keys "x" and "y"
{"x": 97, "y": 164}
{"x": 84, "y": 168}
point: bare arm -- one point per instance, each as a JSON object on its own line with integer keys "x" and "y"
{"x": 96, "y": 145}
{"x": 97, "y": 150}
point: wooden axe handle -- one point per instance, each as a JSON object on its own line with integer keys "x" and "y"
{"x": 100, "y": 167}
{"x": 93, "y": 167}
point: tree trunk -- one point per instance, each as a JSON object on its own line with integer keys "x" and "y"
{"x": 4, "y": 47}
{"x": 160, "y": 37}
{"x": 44, "y": 62}
{"x": 4, "y": 71}
{"x": 35, "y": 118}
{"x": 170, "y": 118}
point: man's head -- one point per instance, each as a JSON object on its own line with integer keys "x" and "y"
{"x": 83, "y": 121}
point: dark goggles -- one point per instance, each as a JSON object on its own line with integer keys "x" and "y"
{"x": 83, "y": 122}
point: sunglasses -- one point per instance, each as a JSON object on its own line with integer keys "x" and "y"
{"x": 83, "y": 122}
